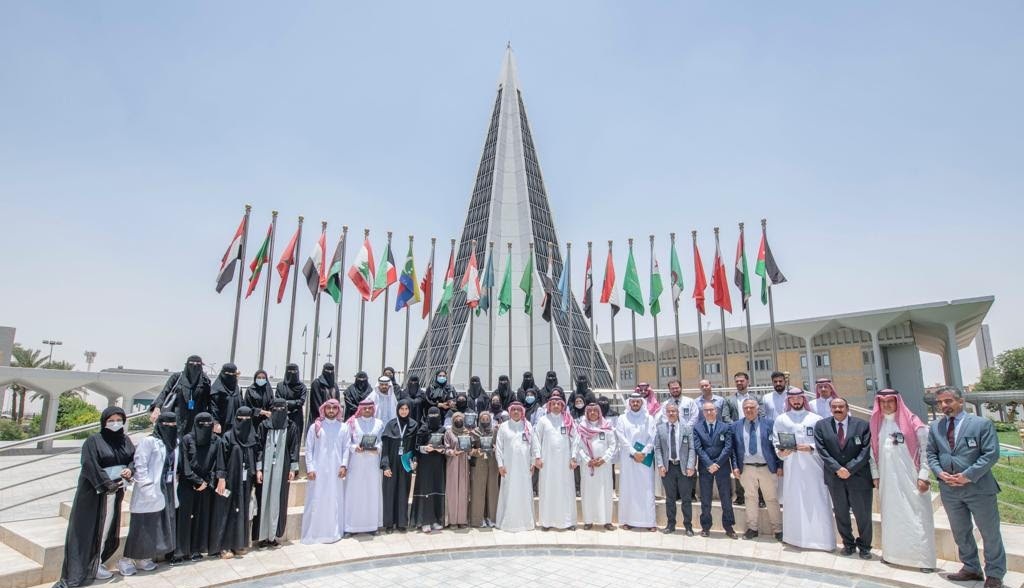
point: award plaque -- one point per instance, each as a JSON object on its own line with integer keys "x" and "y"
{"x": 787, "y": 441}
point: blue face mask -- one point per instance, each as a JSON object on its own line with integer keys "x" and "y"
{"x": 530, "y": 400}
{"x": 442, "y": 380}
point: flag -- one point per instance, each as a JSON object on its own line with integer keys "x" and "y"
{"x": 284, "y": 264}
{"x": 329, "y": 333}
{"x": 427, "y": 287}
{"x": 256, "y": 267}
{"x": 387, "y": 273}
{"x": 700, "y": 282}
{"x": 448, "y": 289}
{"x": 677, "y": 277}
{"x": 656, "y": 287}
{"x": 487, "y": 285}
{"x": 233, "y": 254}
{"x": 526, "y": 285}
{"x": 304, "y": 327}
{"x": 362, "y": 271}
{"x": 631, "y": 285}
{"x": 766, "y": 268}
{"x": 505, "y": 296}
{"x": 609, "y": 295}
{"x": 471, "y": 280}
{"x": 548, "y": 285}
{"x": 408, "y": 289}
{"x": 720, "y": 283}
{"x": 334, "y": 279}
{"x": 314, "y": 270}
{"x": 741, "y": 277}
{"x": 588, "y": 288}
{"x": 563, "y": 285}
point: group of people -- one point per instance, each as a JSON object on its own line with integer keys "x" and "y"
{"x": 214, "y": 475}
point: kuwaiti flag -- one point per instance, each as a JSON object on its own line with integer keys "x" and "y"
{"x": 386, "y": 274}
{"x": 471, "y": 280}
{"x": 262, "y": 258}
{"x": 288, "y": 259}
{"x": 315, "y": 270}
{"x": 588, "y": 288}
{"x": 408, "y": 289}
{"x": 609, "y": 295}
{"x": 741, "y": 277}
{"x": 720, "y": 283}
{"x": 231, "y": 258}
{"x": 427, "y": 287}
{"x": 362, "y": 271}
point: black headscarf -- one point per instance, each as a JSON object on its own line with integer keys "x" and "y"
{"x": 504, "y": 390}
{"x": 166, "y": 429}
{"x": 606, "y": 407}
{"x": 461, "y": 402}
{"x": 115, "y": 439}
{"x": 228, "y": 376}
{"x": 438, "y": 391}
{"x": 528, "y": 384}
{"x": 292, "y": 382}
{"x": 260, "y": 397}
{"x": 475, "y": 388}
{"x": 390, "y": 376}
{"x": 393, "y": 429}
{"x": 582, "y": 385}
{"x": 362, "y": 383}
{"x": 278, "y": 414}
{"x": 242, "y": 433}
{"x": 550, "y": 383}
{"x": 327, "y": 375}
{"x": 433, "y": 420}
{"x": 193, "y": 372}
{"x": 412, "y": 387}
{"x": 203, "y": 429}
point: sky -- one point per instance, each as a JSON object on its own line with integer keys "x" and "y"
{"x": 884, "y": 142}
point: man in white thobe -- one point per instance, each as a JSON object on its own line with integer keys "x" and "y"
{"x": 385, "y": 399}
{"x": 554, "y": 454}
{"x": 899, "y": 443}
{"x": 807, "y": 520}
{"x": 512, "y": 450}
{"x": 775, "y": 402}
{"x": 327, "y": 443}
{"x": 824, "y": 392}
{"x": 364, "y": 504}
{"x": 635, "y": 431}
{"x": 596, "y": 449}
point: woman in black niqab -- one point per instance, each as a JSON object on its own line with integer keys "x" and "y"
{"x": 294, "y": 392}
{"x": 95, "y": 522}
{"x": 428, "y": 495}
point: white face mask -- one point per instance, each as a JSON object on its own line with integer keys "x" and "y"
{"x": 261, "y": 381}
{"x": 115, "y": 426}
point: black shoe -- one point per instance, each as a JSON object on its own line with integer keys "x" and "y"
{"x": 346, "y": 535}
{"x": 609, "y": 526}
{"x": 571, "y": 528}
{"x": 739, "y": 502}
{"x": 965, "y": 575}
{"x": 689, "y": 532}
{"x": 545, "y": 528}
{"x": 731, "y": 534}
{"x": 778, "y": 536}
{"x": 761, "y": 504}
{"x": 175, "y": 561}
{"x": 848, "y": 550}
{"x": 626, "y": 527}
{"x": 705, "y": 533}
{"x": 196, "y": 557}
{"x": 750, "y": 534}
{"x": 669, "y": 530}
{"x": 588, "y": 526}
{"x": 865, "y": 555}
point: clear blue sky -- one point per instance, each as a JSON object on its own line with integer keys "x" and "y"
{"x": 883, "y": 141}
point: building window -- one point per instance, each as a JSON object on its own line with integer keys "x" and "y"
{"x": 712, "y": 368}
{"x": 626, "y": 374}
{"x": 868, "y": 356}
{"x": 762, "y": 365}
{"x": 820, "y": 360}
{"x": 803, "y": 361}
{"x": 668, "y": 371}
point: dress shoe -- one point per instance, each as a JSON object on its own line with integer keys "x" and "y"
{"x": 626, "y": 527}
{"x": 197, "y": 557}
{"x": 750, "y": 534}
{"x": 865, "y": 555}
{"x": 965, "y": 575}
{"x": 669, "y": 530}
{"x": 588, "y": 526}
{"x": 689, "y": 532}
{"x": 739, "y": 502}
{"x": 175, "y": 561}
{"x": 705, "y": 533}
{"x": 848, "y": 550}
{"x": 927, "y": 570}
{"x": 731, "y": 534}
{"x": 571, "y": 528}
{"x": 609, "y": 526}
{"x": 778, "y": 536}
{"x": 993, "y": 583}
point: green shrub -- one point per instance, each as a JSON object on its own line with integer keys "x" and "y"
{"x": 11, "y": 431}
{"x": 73, "y": 411}
{"x": 138, "y": 423}
{"x": 1006, "y": 427}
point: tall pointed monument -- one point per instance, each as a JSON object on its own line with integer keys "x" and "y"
{"x": 509, "y": 204}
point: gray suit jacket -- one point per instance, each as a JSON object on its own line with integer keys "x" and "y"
{"x": 684, "y": 449}
{"x": 975, "y": 452}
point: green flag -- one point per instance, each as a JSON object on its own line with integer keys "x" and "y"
{"x": 656, "y": 287}
{"x": 677, "y": 276}
{"x": 634, "y": 296}
{"x": 526, "y": 285}
{"x": 505, "y": 296}
{"x": 448, "y": 291}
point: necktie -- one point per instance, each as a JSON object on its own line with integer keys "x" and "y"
{"x": 842, "y": 436}
{"x": 709, "y": 430}
{"x": 672, "y": 439}
{"x": 752, "y": 448}
{"x": 951, "y": 432}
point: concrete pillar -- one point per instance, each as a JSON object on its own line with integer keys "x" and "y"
{"x": 876, "y": 348}
{"x": 955, "y": 377}
{"x": 809, "y": 349}
{"x": 49, "y": 421}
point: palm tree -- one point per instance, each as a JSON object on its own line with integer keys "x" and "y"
{"x": 31, "y": 358}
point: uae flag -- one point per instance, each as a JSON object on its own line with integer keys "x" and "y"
{"x": 262, "y": 258}
{"x": 741, "y": 277}
{"x": 609, "y": 295}
{"x": 362, "y": 271}
{"x": 231, "y": 258}
{"x": 334, "y": 280}
{"x": 471, "y": 280}
{"x": 314, "y": 270}
{"x": 700, "y": 282}
{"x": 288, "y": 259}
{"x": 386, "y": 273}
{"x": 766, "y": 267}
{"x": 547, "y": 281}
{"x": 588, "y": 288}
{"x": 720, "y": 283}
{"x": 427, "y": 287}
{"x": 448, "y": 290}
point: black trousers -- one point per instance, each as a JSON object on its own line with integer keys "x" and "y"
{"x": 724, "y": 482}
{"x": 855, "y": 497}
{"x": 678, "y": 486}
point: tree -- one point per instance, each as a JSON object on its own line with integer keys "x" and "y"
{"x": 1008, "y": 373}
{"x": 32, "y": 358}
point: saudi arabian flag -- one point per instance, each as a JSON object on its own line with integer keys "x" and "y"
{"x": 631, "y": 285}
{"x": 505, "y": 296}
{"x": 677, "y": 276}
{"x": 656, "y": 287}
{"x": 526, "y": 285}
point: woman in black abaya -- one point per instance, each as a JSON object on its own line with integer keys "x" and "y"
{"x": 399, "y": 438}
{"x": 428, "y": 496}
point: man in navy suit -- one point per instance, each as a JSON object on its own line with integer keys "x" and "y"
{"x": 712, "y": 440}
{"x": 962, "y": 448}
{"x": 756, "y": 466}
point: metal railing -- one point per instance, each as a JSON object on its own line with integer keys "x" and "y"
{"x": 62, "y": 434}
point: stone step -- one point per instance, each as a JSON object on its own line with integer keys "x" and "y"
{"x": 17, "y": 570}
{"x": 40, "y": 540}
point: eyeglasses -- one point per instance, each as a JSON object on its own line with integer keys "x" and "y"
{"x": 710, "y": 410}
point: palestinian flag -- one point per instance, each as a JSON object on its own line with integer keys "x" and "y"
{"x": 386, "y": 274}
{"x": 741, "y": 277}
{"x": 334, "y": 279}
{"x": 427, "y": 287}
{"x": 656, "y": 286}
{"x": 408, "y": 289}
{"x": 505, "y": 296}
{"x": 609, "y": 295}
{"x": 362, "y": 271}
{"x": 719, "y": 283}
{"x": 631, "y": 285}
{"x": 526, "y": 285}
{"x": 700, "y": 282}
{"x": 677, "y": 276}
{"x": 448, "y": 290}
{"x": 262, "y": 258}
{"x": 314, "y": 270}
{"x": 231, "y": 257}
{"x": 471, "y": 280}
{"x": 288, "y": 259}
{"x": 766, "y": 267}
{"x": 588, "y": 288}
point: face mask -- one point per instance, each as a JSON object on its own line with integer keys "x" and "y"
{"x": 442, "y": 380}
{"x": 579, "y": 405}
{"x": 114, "y": 426}
{"x": 461, "y": 404}
{"x": 530, "y": 400}
{"x": 279, "y": 418}
{"x": 495, "y": 407}
{"x": 458, "y": 423}
{"x": 261, "y": 381}
{"x": 243, "y": 427}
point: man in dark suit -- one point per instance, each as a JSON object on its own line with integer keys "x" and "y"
{"x": 712, "y": 441}
{"x": 756, "y": 466}
{"x": 844, "y": 444}
{"x": 962, "y": 448}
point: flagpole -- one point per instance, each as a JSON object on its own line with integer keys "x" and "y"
{"x": 771, "y": 309}
{"x": 636, "y": 366}
{"x": 295, "y": 281}
{"x": 531, "y": 315}
{"x": 700, "y": 325}
{"x": 405, "y": 363}
{"x": 721, "y": 312}
{"x": 611, "y": 314}
{"x": 341, "y": 298}
{"x": 266, "y": 295}
{"x": 387, "y": 296}
{"x": 490, "y": 319}
{"x": 593, "y": 360}
{"x": 657, "y": 354}
{"x": 304, "y": 341}
{"x": 430, "y": 310}
{"x": 567, "y": 264}
{"x": 470, "y": 317}
{"x": 451, "y": 316}
{"x": 746, "y": 309}
{"x": 551, "y": 301}
{"x": 316, "y": 313}
{"x": 509, "y": 373}
{"x": 675, "y": 310}
{"x": 362, "y": 314}
{"x": 241, "y": 272}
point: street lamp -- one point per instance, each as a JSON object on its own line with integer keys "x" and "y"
{"x": 51, "y": 343}
{"x": 90, "y": 356}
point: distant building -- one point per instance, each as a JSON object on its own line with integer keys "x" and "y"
{"x": 983, "y": 343}
{"x": 6, "y": 345}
